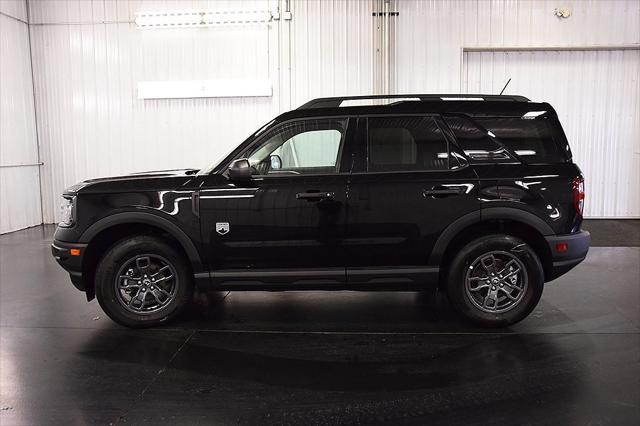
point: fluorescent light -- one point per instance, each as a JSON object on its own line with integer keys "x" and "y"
{"x": 183, "y": 89}
{"x": 200, "y": 18}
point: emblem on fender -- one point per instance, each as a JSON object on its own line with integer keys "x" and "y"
{"x": 222, "y": 228}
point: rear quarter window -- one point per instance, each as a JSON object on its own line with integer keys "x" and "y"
{"x": 538, "y": 140}
{"x": 476, "y": 143}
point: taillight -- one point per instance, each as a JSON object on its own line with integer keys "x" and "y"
{"x": 578, "y": 194}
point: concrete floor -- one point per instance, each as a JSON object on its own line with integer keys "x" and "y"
{"x": 318, "y": 357}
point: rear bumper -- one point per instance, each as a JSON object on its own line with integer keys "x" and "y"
{"x": 61, "y": 251}
{"x": 577, "y": 247}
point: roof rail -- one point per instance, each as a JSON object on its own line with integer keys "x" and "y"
{"x": 335, "y": 102}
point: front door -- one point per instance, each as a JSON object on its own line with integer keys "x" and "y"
{"x": 287, "y": 224}
{"x": 408, "y": 187}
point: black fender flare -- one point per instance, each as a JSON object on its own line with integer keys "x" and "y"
{"x": 485, "y": 214}
{"x": 147, "y": 219}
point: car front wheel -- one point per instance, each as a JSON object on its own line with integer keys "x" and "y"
{"x": 143, "y": 282}
{"x": 495, "y": 280}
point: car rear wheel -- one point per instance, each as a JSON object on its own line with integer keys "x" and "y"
{"x": 495, "y": 280}
{"x": 143, "y": 282}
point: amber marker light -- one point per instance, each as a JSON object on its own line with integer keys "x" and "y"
{"x": 74, "y": 252}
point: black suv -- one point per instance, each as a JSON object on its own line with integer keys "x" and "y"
{"x": 473, "y": 194}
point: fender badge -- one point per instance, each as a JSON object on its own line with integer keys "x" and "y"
{"x": 222, "y": 228}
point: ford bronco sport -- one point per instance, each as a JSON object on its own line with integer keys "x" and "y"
{"x": 474, "y": 194}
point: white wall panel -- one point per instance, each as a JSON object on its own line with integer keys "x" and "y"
{"x": 431, "y": 33}
{"x": 19, "y": 199}
{"x": 14, "y": 8}
{"x": 597, "y": 97}
{"x": 19, "y": 179}
{"x": 100, "y": 11}
{"x": 332, "y": 50}
{"x": 90, "y": 119}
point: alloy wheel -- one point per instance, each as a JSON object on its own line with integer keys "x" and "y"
{"x": 146, "y": 283}
{"x": 496, "y": 282}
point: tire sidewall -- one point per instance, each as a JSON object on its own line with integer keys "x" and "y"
{"x": 111, "y": 263}
{"x": 457, "y": 275}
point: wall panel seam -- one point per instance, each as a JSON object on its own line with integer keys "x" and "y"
{"x": 35, "y": 116}
{"x": 13, "y": 17}
{"x": 44, "y": 24}
{"x": 550, "y": 48}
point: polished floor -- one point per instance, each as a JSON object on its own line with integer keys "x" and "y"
{"x": 318, "y": 357}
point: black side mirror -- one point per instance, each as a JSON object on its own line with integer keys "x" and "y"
{"x": 240, "y": 170}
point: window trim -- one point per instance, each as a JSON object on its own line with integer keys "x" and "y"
{"x": 437, "y": 118}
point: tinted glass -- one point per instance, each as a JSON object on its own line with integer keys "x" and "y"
{"x": 476, "y": 143}
{"x": 534, "y": 140}
{"x": 301, "y": 147}
{"x": 406, "y": 143}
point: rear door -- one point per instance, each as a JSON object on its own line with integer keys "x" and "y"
{"x": 409, "y": 184}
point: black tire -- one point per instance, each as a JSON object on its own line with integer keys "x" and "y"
{"x": 462, "y": 298}
{"x": 118, "y": 257}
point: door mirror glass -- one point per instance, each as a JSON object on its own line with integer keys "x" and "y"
{"x": 276, "y": 162}
{"x": 240, "y": 170}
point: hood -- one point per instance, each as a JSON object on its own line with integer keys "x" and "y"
{"x": 142, "y": 181}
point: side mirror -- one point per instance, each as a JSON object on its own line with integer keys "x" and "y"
{"x": 240, "y": 170}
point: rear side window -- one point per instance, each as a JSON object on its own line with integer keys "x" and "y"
{"x": 534, "y": 140}
{"x": 476, "y": 143}
{"x": 406, "y": 144}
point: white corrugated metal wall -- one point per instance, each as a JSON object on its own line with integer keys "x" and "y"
{"x": 19, "y": 174}
{"x": 332, "y": 49}
{"x": 88, "y": 56}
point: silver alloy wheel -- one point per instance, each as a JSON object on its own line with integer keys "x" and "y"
{"x": 146, "y": 283}
{"x": 496, "y": 282}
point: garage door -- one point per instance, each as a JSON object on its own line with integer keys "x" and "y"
{"x": 596, "y": 95}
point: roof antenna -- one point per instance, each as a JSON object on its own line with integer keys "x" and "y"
{"x": 505, "y": 86}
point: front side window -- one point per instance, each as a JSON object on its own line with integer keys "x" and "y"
{"x": 406, "y": 144}
{"x": 300, "y": 147}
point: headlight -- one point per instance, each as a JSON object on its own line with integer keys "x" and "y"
{"x": 66, "y": 211}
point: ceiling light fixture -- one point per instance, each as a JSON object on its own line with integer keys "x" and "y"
{"x": 200, "y": 18}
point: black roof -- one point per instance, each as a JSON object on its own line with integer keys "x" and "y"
{"x": 471, "y": 104}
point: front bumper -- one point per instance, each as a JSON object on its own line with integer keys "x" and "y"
{"x": 72, "y": 263}
{"x": 577, "y": 246}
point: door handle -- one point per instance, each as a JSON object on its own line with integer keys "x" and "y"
{"x": 315, "y": 196}
{"x": 444, "y": 191}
